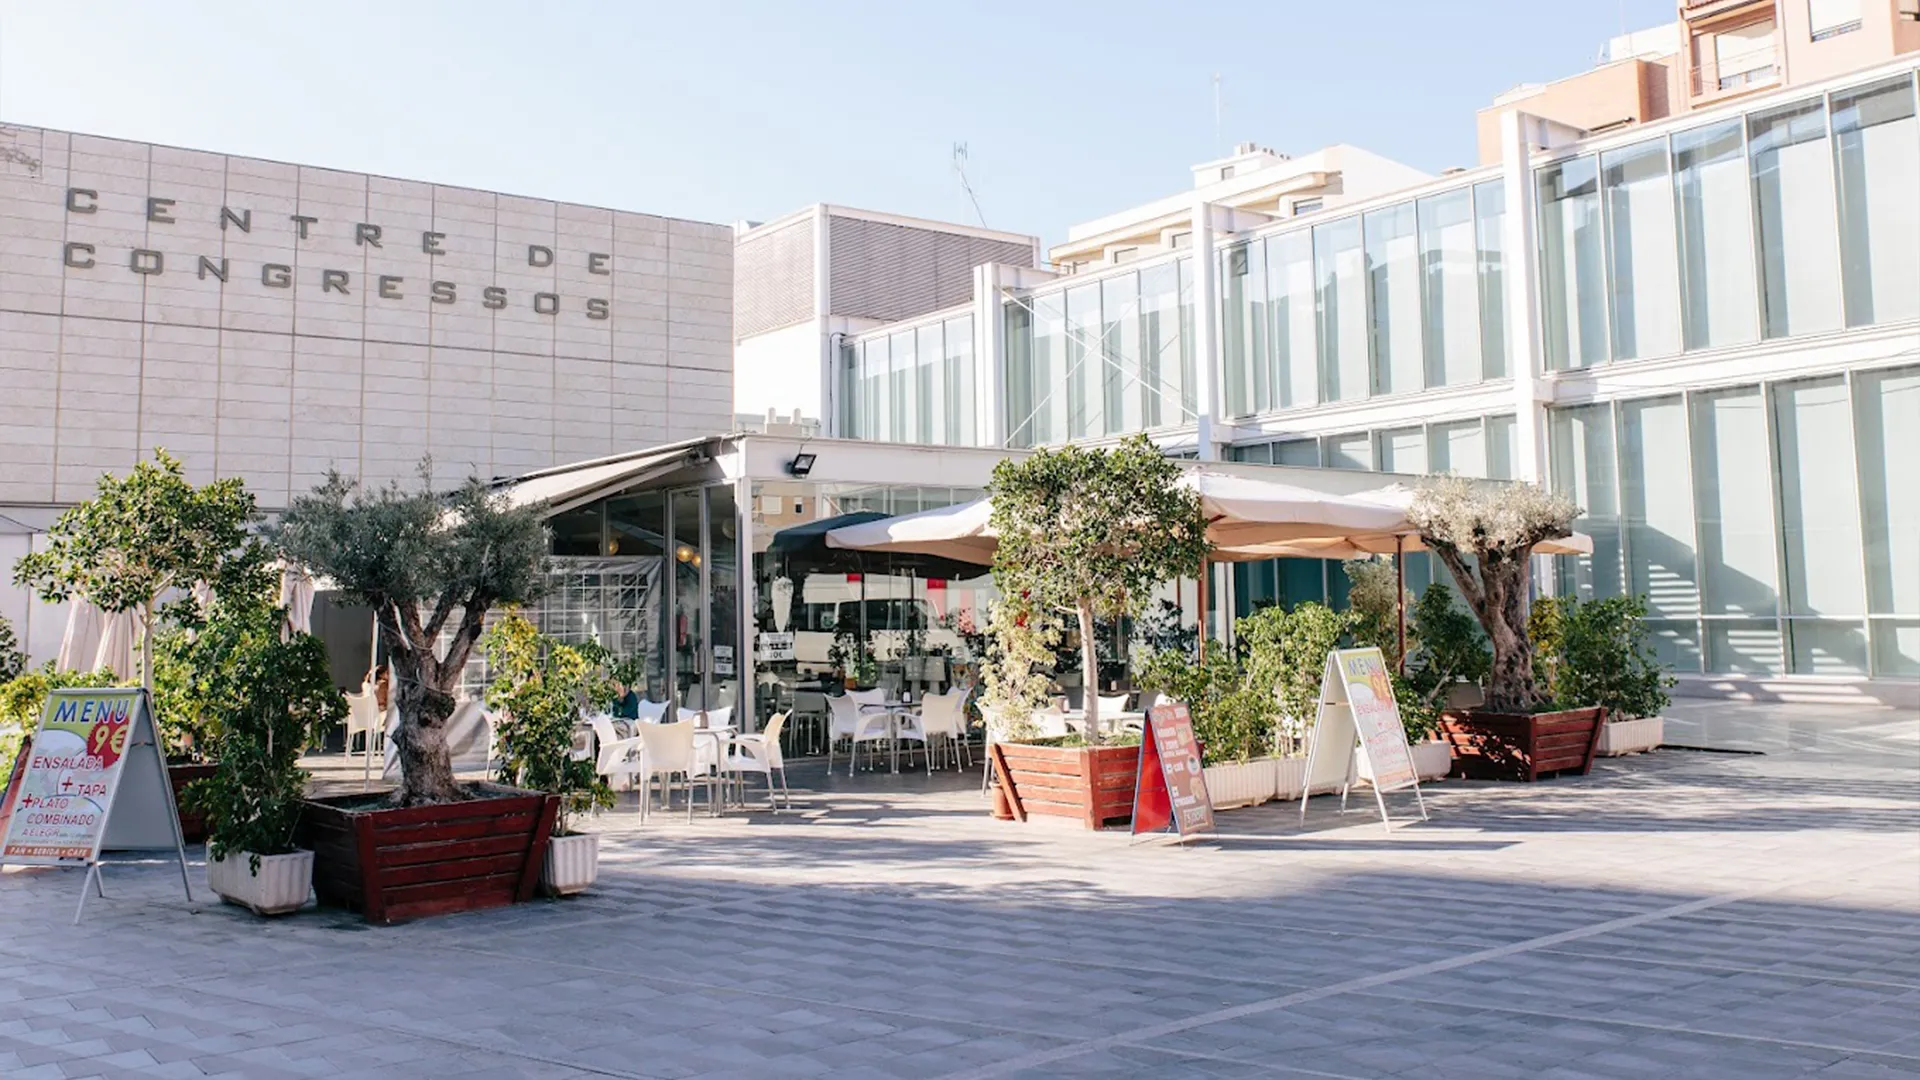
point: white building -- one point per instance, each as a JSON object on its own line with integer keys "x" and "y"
{"x": 1705, "y": 329}
{"x": 272, "y": 321}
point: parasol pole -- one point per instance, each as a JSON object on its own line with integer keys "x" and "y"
{"x": 1205, "y": 568}
{"x": 1400, "y": 595}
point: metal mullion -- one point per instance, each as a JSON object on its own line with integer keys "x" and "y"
{"x": 1781, "y": 584}
{"x": 1860, "y": 515}
{"x": 1606, "y": 257}
{"x": 671, "y": 615}
{"x": 1753, "y": 231}
{"x": 705, "y": 608}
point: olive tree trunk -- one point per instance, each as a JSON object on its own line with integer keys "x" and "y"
{"x": 1495, "y": 588}
{"x": 1089, "y": 674}
{"x": 423, "y": 687}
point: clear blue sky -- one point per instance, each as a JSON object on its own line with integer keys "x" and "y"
{"x": 721, "y": 110}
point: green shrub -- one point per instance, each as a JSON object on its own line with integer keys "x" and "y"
{"x": 1232, "y": 718}
{"x": 24, "y": 697}
{"x": 1596, "y": 653}
{"x": 538, "y": 688}
{"x": 1287, "y": 656}
{"x": 12, "y": 660}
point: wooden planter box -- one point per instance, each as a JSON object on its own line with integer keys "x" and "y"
{"x": 397, "y": 864}
{"x": 193, "y": 826}
{"x": 1094, "y": 784}
{"x": 1521, "y": 746}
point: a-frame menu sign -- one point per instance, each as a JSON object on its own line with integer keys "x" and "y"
{"x": 92, "y": 780}
{"x": 1170, "y": 790}
{"x": 1358, "y": 714}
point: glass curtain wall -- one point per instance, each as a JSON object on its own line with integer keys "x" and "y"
{"x": 1106, "y": 358}
{"x": 1292, "y": 370}
{"x": 1340, "y": 309}
{"x": 1768, "y": 527}
{"x": 1489, "y": 221}
{"x": 913, "y": 386}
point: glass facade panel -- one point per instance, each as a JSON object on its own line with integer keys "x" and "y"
{"x": 1583, "y": 463}
{"x": 1120, "y": 386}
{"x": 929, "y": 388}
{"x": 904, "y": 384}
{"x": 637, "y": 530}
{"x": 1641, "y": 256}
{"x": 1348, "y": 451}
{"x": 579, "y": 532}
{"x": 1820, "y": 526}
{"x": 876, "y": 395}
{"x": 1163, "y": 369}
{"x": 1048, "y": 413}
{"x": 1085, "y": 365}
{"x": 1876, "y": 148}
{"x": 1297, "y": 452}
{"x": 957, "y": 378}
{"x": 723, "y": 598}
{"x": 1572, "y": 284}
{"x": 1887, "y": 428}
{"x": 1459, "y": 448}
{"x": 1732, "y": 483}
{"x": 1020, "y": 397}
{"x": 1292, "y": 369}
{"x": 689, "y": 630}
{"x": 1716, "y": 236}
{"x": 1489, "y": 223}
{"x": 1449, "y": 268}
{"x": 1393, "y": 280}
{"x": 1243, "y": 329}
{"x": 1794, "y": 208}
{"x": 1403, "y": 450}
{"x": 1502, "y": 447}
{"x": 1340, "y": 309}
{"x": 1656, "y": 495}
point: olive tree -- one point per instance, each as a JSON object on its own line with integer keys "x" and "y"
{"x": 1485, "y": 535}
{"x": 428, "y": 565}
{"x": 139, "y": 537}
{"x": 1088, "y": 533}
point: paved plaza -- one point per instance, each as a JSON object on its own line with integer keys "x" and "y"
{"x": 1677, "y": 914}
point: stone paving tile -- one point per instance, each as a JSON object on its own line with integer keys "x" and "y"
{"x": 1671, "y": 915}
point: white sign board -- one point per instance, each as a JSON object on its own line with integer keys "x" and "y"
{"x": 773, "y": 647}
{"x": 93, "y": 780}
{"x": 1358, "y": 714}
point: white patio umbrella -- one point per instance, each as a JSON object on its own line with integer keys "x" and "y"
{"x": 962, "y": 532}
{"x": 115, "y": 651}
{"x": 296, "y": 596}
{"x": 81, "y": 641}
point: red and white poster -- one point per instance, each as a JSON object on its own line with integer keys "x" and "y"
{"x": 1171, "y": 788}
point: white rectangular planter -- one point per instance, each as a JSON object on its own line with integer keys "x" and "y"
{"x": 573, "y": 864}
{"x": 1431, "y": 761}
{"x": 1290, "y": 777}
{"x": 1241, "y": 783}
{"x": 1631, "y": 736}
{"x": 281, "y": 885}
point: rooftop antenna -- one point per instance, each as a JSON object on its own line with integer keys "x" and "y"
{"x": 960, "y": 170}
{"x": 1219, "y": 141}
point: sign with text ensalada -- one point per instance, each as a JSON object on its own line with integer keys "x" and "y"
{"x": 1170, "y": 790}
{"x": 60, "y": 809}
{"x": 92, "y": 780}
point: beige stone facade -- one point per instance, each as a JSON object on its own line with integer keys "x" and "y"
{"x": 271, "y": 321}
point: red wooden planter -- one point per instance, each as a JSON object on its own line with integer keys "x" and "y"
{"x": 1521, "y": 746}
{"x": 1092, "y": 783}
{"x": 193, "y": 825}
{"x": 397, "y": 864}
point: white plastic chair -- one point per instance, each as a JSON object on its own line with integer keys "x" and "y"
{"x": 620, "y": 757}
{"x": 857, "y": 725}
{"x": 942, "y": 722}
{"x": 363, "y": 719}
{"x": 667, "y": 750}
{"x": 651, "y": 712}
{"x": 1052, "y": 722}
{"x": 760, "y": 753}
{"x": 843, "y": 719}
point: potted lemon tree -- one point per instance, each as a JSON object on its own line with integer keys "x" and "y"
{"x": 538, "y": 688}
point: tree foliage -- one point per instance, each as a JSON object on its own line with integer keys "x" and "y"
{"x": 13, "y": 660}
{"x": 1596, "y": 653}
{"x": 1090, "y": 532}
{"x": 1485, "y": 536}
{"x": 1020, "y": 650}
{"x": 538, "y": 688}
{"x": 1233, "y": 716}
{"x": 24, "y": 697}
{"x": 139, "y": 537}
{"x": 1374, "y": 598}
{"x": 1287, "y": 656}
{"x": 428, "y": 566}
{"x": 264, "y": 693}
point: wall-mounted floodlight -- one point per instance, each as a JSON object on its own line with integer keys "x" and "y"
{"x": 801, "y": 465}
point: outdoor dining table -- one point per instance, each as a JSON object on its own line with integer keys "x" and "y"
{"x": 894, "y": 711}
{"x": 1111, "y": 723}
{"x": 722, "y": 735}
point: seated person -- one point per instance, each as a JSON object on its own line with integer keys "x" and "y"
{"x": 626, "y": 703}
